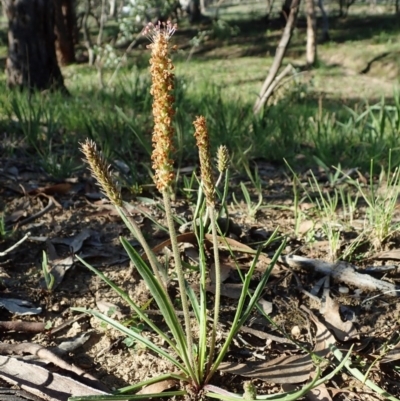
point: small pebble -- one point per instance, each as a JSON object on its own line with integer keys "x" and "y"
{"x": 296, "y": 331}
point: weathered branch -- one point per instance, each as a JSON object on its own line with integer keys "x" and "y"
{"x": 342, "y": 272}
{"x": 280, "y": 53}
{"x": 27, "y": 327}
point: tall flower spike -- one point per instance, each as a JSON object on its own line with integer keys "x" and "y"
{"x": 101, "y": 172}
{"x": 222, "y": 159}
{"x": 203, "y": 143}
{"x": 161, "y": 89}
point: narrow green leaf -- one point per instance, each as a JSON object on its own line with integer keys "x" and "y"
{"x": 163, "y": 302}
{"x": 345, "y": 361}
{"x": 239, "y": 319}
{"x": 133, "y": 334}
{"x": 289, "y": 396}
{"x": 157, "y": 379}
{"x": 127, "y": 397}
{"x": 193, "y": 300}
{"x": 261, "y": 285}
{"x": 129, "y": 301}
{"x": 203, "y": 328}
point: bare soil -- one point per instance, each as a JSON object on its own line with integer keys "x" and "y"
{"x": 82, "y": 223}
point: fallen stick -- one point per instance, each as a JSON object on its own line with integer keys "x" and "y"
{"x": 342, "y": 272}
{"x": 16, "y": 245}
{"x": 40, "y": 213}
{"x": 18, "y": 325}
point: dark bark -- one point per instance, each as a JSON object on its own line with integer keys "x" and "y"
{"x": 65, "y": 28}
{"x": 32, "y": 61}
{"x": 285, "y": 10}
{"x": 325, "y": 22}
{"x": 193, "y": 10}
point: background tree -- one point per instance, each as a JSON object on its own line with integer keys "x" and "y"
{"x": 273, "y": 79}
{"x": 65, "y": 30}
{"x": 325, "y": 21}
{"x": 32, "y": 61}
{"x": 311, "y": 50}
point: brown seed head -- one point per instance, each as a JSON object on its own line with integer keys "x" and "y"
{"x": 161, "y": 89}
{"x": 101, "y": 172}
{"x": 203, "y": 143}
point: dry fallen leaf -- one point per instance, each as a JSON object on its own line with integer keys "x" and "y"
{"x": 15, "y": 216}
{"x": 37, "y": 380}
{"x": 75, "y": 242}
{"x": 306, "y": 225}
{"x": 109, "y": 309}
{"x": 266, "y": 306}
{"x": 285, "y": 369}
{"x": 225, "y": 271}
{"x": 158, "y": 387}
{"x": 60, "y": 189}
{"x": 393, "y": 355}
{"x": 393, "y": 254}
{"x": 344, "y": 331}
{"x": 223, "y": 243}
{"x": 19, "y": 306}
{"x": 319, "y": 393}
{"x": 232, "y": 291}
{"x": 73, "y": 343}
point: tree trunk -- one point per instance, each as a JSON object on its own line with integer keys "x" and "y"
{"x": 32, "y": 61}
{"x": 194, "y": 11}
{"x": 311, "y": 53}
{"x": 270, "y": 81}
{"x": 113, "y": 8}
{"x": 285, "y": 10}
{"x": 65, "y": 27}
{"x": 325, "y": 22}
{"x": 341, "y": 6}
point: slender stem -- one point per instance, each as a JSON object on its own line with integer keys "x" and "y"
{"x": 180, "y": 276}
{"x": 224, "y": 197}
{"x": 203, "y": 328}
{"x": 137, "y": 232}
{"x": 217, "y": 296}
{"x": 199, "y": 206}
{"x": 219, "y": 179}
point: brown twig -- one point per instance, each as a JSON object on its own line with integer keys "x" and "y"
{"x": 40, "y": 213}
{"x": 17, "y": 244}
{"x": 18, "y": 325}
{"x": 69, "y": 322}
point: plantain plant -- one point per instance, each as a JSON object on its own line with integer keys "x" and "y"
{"x": 196, "y": 358}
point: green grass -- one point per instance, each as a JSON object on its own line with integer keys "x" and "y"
{"x": 333, "y": 112}
{"x": 120, "y": 122}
